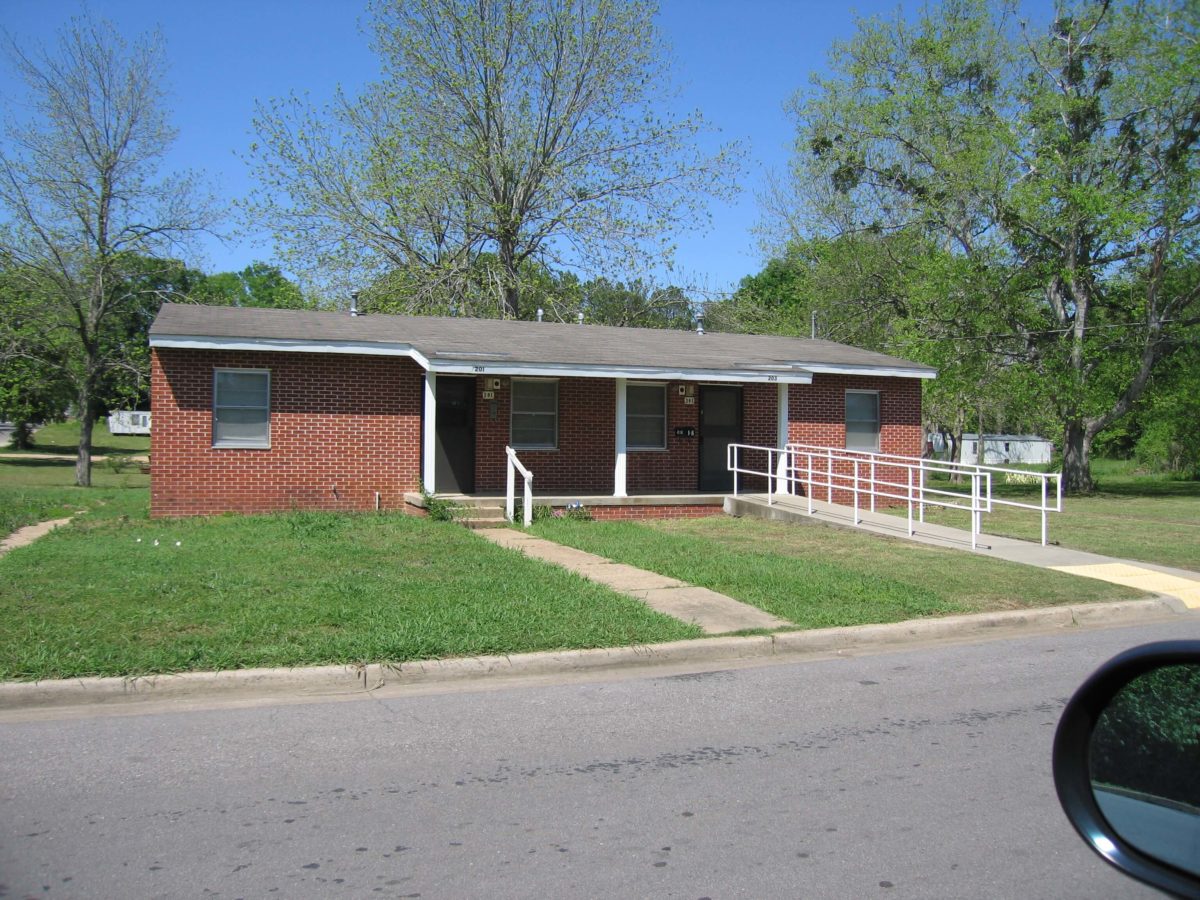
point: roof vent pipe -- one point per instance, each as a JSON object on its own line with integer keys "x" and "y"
{"x": 699, "y": 323}
{"x": 354, "y": 304}
{"x": 579, "y": 317}
{"x": 541, "y": 313}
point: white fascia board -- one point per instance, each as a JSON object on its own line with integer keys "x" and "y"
{"x": 287, "y": 345}
{"x": 633, "y": 373}
{"x": 879, "y": 371}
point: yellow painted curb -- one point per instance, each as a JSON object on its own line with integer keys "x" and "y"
{"x": 1186, "y": 589}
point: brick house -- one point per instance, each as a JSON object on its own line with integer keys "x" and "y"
{"x": 259, "y": 409}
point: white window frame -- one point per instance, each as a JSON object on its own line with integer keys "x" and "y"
{"x": 629, "y": 416}
{"x": 512, "y": 413}
{"x": 878, "y": 421}
{"x": 265, "y": 443}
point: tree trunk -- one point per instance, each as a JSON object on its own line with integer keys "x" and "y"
{"x": 1077, "y": 460}
{"x": 979, "y": 451}
{"x": 83, "y": 462}
{"x": 506, "y": 250}
{"x": 956, "y": 438}
{"x": 22, "y": 436}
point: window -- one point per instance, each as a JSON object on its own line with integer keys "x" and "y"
{"x": 646, "y": 416}
{"x": 862, "y": 420}
{"x": 534, "y": 415}
{"x": 241, "y": 408}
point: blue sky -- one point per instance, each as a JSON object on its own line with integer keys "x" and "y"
{"x": 738, "y": 62}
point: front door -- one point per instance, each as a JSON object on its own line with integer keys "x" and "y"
{"x": 454, "y": 453}
{"x": 720, "y": 426}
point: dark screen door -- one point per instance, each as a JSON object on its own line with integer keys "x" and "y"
{"x": 454, "y": 454}
{"x": 720, "y": 426}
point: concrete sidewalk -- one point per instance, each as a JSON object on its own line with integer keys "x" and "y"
{"x": 1154, "y": 579}
{"x": 23, "y": 537}
{"x": 714, "y": 613}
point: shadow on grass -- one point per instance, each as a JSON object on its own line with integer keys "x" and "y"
{"x": 72, "y": 449}
{"x": 36, "y": 463}
{"x": 1148, "y": 486}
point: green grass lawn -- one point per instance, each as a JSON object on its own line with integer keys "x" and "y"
{"x": 63, "y": 437}
{"x": 1152, "y": 518}
{"x": 101, "y": 598}
{"x": 33, "y": 490}
{"x": 818, "y": 576}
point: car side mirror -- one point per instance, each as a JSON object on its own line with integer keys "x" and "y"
{"x": 1127, "y": 764}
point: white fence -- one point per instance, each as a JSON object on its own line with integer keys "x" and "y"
{"x": 887, "y": 476}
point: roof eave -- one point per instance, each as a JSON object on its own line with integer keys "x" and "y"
{"x": 794, "y": 373}
{"x": 642, "y": 373}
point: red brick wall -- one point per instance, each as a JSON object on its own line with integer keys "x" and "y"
{"x": 342, "y": 428}
{"x": 817, "y": 414}
{"x": 675, "y": 470}
{"x": 583, "y": 462}
{"x": 585, "y": 458}
{"x": 586, "y": 454}
{"x": 688, "y": 511}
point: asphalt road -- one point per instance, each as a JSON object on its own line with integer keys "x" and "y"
{"x": 922, "y": 773}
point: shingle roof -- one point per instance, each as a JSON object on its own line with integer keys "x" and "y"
{"x": 507, "y": 342}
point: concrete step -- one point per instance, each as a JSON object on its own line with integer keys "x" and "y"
{"x": 483, "y": 521}
{"x": 480, "y": 516}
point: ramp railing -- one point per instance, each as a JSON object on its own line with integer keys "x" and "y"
{"x": 860, "y": 476}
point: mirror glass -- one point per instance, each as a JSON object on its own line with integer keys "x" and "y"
{"x": 1145, "y": 764}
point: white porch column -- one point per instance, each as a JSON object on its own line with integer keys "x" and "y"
{"x": 619, "y": 469}
{"x": 781, "y": 418}
{"x": 429, "y": 432}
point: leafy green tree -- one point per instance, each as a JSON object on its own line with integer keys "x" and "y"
{"x": 530, "y": 130}
{"x": 633, "y": 304}
{"x": 901, "y": 294}
{"x": 87, "y": 209}
{"x": 31, "y": 391}
{"x": 259, "y": 284}
{"x": 1059, "y": 163}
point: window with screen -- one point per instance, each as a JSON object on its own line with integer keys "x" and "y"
{"x": 241, "y": 408}
{"x": 862, "y": 420}
{"x": 534, "y": 424}
{"x": 646, "y": 416}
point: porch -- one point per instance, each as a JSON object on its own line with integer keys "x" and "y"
{"x": 488, "y": 508}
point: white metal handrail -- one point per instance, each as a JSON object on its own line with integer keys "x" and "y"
{"x": 965, "y": 469}
{"x": 858, "y": 473}
{"x": 514, "y": 465}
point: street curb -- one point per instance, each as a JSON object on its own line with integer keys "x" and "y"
{"x": 323, "y": 681}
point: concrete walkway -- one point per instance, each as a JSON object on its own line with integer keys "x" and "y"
{"x": 714, "y": 613}
{"x": 1148, "y": 577}
{"x": 22, "y": 537}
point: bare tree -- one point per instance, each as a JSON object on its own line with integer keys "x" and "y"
{"x": 524, "y": 130}
{"x": 87, "y": 210}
